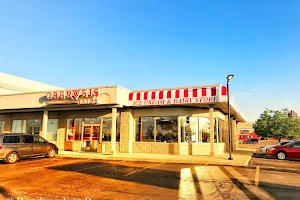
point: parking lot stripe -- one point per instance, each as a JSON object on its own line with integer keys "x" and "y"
{"x": 143, "y": 169}
{"x": 96, "y": 166}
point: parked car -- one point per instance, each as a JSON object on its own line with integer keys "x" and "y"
{"x": 264, "y": 148}
{"x": 16, "y": 146}
{"x": 291, "y": 150}
{"x": 251, "y": 141}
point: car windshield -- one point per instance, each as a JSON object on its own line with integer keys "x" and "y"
{"x": 284, "y": 143}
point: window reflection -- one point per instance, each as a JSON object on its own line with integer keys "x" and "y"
{"x": 157, "y": 129}
{"x": 74, "y": 128}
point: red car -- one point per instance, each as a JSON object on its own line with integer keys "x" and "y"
{"x": 291, "y": 150}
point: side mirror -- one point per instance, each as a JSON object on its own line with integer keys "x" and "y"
{"x": 290, "y": 146}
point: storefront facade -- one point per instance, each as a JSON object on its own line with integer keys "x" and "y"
{"x": 180, "y": 121}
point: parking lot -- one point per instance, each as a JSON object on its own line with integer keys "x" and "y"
{"x": 62, "y": 178}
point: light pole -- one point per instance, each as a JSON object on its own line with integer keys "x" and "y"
{"x": 229, "y": 77}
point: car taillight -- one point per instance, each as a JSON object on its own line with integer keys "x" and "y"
{"x": 0, "y": 147}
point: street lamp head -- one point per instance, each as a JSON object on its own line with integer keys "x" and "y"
{"x": 230, "y": 76}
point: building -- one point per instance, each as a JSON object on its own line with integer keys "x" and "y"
{"x": 246, "y": 131}
{"x": 14, "y": 85}
{"x": 110, "y": 119}
{"x": 293, "y": 114}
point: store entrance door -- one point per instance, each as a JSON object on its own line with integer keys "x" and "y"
{"x": 90, "y": 136}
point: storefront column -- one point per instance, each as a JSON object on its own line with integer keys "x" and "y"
{"x": 233, "y": 129}
{"x": 154, "y": 129}
{"x": 200, "y": 131}
{"x": 113, "y": 131}
{"x": 44, "y": 125}
{"x": 127, "y": 131}
{"x": 61, "y": 132}
{"x": 212, "y": 131}
{"x": 179, "y": 129}
{"x": 225, "y": 133}
{"x": 217, "y": 129}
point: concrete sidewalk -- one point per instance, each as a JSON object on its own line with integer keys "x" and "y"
{"x": 240, "y": 158}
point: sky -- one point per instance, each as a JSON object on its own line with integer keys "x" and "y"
{"x": 140, "y": 44}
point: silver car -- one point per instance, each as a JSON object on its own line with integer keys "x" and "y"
{"x": 16, "y": 146}
{"x": 264, "y": 148}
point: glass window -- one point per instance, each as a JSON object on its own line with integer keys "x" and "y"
{"x": 18, "y": 126}
{"x": 1, "y": 126}
{"x": 144, "y": 129}
{"x": 34, "y": 126}
{"x": 11, "y": 139}
{"x": 74, "y": 128}
{"x": 52, "y": 127}
{"x": 296, "y": 144}
{"x": 166, "y": 129}
{"x": 156, "y": 129}
{"x": 195, "y": 129}
{"x": 106, "y": 129}
{"x": 27, "y": 139}
{"x": 70, "y": 129}
{"x": 37, "y": 139}
{"x": 34, "y": 122}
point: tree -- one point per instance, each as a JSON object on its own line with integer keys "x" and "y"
{"x": 277, "y": 124}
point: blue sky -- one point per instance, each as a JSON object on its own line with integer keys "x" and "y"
{"x": 142, "y": 44}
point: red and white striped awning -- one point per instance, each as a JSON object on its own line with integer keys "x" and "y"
{"x": 177, "y": 96}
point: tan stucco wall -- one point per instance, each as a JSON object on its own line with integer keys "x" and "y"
{"x": 176, "y": 148}
{"x": 200, "y": 148}
{"x": 127, "y": 131}
{"x": 61, "y": 133}
{"x": 155, "y": 147}
{"x": 38, "y": 99}
{"x": 108, "y": 146}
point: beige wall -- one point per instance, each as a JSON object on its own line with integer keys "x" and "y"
{"x": 109, "y": 95}
{"x": 127, "y": 131}
{"x": 176, "y": 148}
{"x": 155, "y": 147}
{"x": 201, "y": 148}
{"x": 108, "y": 147}
{"x": 12, "y": 84}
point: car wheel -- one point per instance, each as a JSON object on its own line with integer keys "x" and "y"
{"x": 281, "y": 155}
{"x": 51, "y": 153}
{"x": 11, "y": 158}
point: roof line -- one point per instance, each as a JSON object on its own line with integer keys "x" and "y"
{"x": 176, "y": 88}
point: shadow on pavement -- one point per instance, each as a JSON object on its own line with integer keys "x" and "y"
{"x": 5, "y": 193}
{"x": 170, "y": 179}
{"x": 118, "y": 171}
{"x": 279, "y": 191}
{"x": 240, "y": 185}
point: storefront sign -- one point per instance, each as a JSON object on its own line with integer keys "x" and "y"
{"x": 88, "y": 96}
{"x": 175, "y": 101}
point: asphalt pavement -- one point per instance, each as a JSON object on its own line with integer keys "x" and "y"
{"x": 65, "y": 178}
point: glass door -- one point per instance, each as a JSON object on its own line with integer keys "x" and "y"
{"x": 90, "y": 136}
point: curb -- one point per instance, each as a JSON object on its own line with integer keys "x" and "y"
{"x": 277, "y": 169}
{"x": 156, "y": 160}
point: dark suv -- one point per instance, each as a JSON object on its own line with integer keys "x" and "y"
{"x": 251, "y": 141}
{"x": 16, "y": 146}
